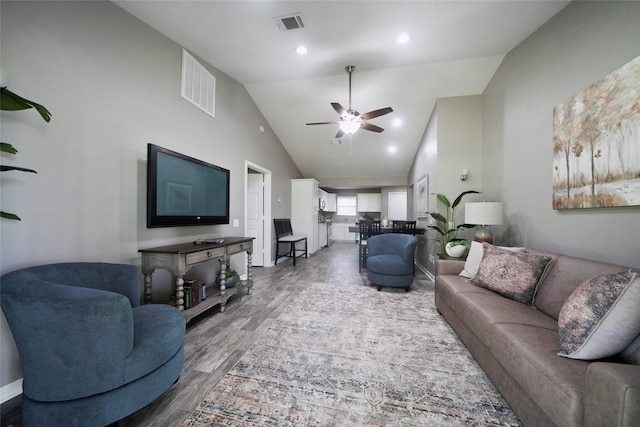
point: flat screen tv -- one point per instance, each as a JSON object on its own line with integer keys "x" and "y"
{"x": 184, "y": 191}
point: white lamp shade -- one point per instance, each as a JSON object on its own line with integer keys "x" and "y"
{"x": 349, "y": 126}
{"x": 483, "y": 213}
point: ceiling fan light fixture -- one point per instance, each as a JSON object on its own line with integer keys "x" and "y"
{"x": 350, "y": 127}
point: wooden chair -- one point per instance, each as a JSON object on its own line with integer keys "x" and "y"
{"x": 368, "y": 228}
{"x": 404, "y": 227}
{"x": 284, "y": 234}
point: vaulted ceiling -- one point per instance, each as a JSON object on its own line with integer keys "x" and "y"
{"x": 454, "y": 49}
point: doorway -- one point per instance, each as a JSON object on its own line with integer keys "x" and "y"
{"x": 257, "y": 205}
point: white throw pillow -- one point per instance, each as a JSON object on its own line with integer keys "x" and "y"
{"x": 474, "y": 258}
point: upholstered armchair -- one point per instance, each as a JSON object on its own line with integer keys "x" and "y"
{"x": 90, "y": 353}
{"x": 390, "y": 260}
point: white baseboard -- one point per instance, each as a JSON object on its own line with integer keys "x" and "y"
{"x": 11, "y": 390}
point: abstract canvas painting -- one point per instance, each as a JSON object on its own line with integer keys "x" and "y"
{"x": 596, "y": 143}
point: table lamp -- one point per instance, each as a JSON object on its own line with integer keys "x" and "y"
{"x": 483, "y": 214}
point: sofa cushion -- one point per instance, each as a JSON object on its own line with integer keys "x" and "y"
{"x": 555, "y": 383}
{"x": 601, "y": 317}
{"x": 474, "y": 258}
{"x": 514, "y": 275}
{"x": 566, "y": 274}
{"x": 448, "y": 287}
{"x": 482, "y": 312}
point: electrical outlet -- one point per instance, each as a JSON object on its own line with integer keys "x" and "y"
{"x": 236, "y": 223}
{"x": 432, "y": 259}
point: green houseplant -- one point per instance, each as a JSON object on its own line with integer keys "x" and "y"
{"x": 9, "y": 101}
{"x": 445, "y": 224}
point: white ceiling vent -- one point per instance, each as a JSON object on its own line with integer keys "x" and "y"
{"x": 290, "y": 22}
{"x": 198, "y": 84}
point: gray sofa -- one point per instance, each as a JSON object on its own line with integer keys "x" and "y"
{"x": 517, "y": 345}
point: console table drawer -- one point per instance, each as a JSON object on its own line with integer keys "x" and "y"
{"x": 196, "y": 257}
{"x": 239, "y": 247}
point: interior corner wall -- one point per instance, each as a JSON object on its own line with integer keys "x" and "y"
{"x": 112, "y": 84}
{"x": 452, "y": 141}
{"x": 580, "y": 45}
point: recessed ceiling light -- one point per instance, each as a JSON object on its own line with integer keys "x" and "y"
{"x": 392, "y": 149}
{"x": 301, "y": 50}
{"x": 403, "y": 38}
{"x": 397, "y": 122}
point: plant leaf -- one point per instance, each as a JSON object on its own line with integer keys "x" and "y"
{"x": 8, "y": 215}
{"x": 443, "y": 199}
{"x": 8, "y": 148}
{"x": 9, "y": 101}
{"x": 438, "y": 217}
{"x": 4, "y": 168}
{"x": 464, "y": 193}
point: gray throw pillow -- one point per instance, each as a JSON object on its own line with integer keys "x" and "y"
{"x": 601, "y": 317}
{"x": 514, "y": 275}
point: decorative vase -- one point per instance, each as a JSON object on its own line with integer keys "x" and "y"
{"x": 455, "y": 251}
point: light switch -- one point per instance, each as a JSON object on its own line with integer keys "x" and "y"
{"x": 236, "y": 223}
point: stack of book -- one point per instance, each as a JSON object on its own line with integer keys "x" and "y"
{"x": 194, "y": 293}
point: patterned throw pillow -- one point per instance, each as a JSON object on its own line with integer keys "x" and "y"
{"x": 474, "y": 258}
{"x": 601, "y": 317}
{"x": 514, "y": 275}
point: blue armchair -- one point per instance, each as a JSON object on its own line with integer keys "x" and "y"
{"x": 90, "y": 353}
{"x": 390, "y": 260}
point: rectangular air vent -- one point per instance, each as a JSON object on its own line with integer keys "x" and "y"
{"x": 198, "y": 84}
{"x": 290, "y": 22}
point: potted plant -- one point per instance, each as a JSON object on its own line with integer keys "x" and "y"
{"x": 233, "y": 278}
{"x": 445, "y": 224}
{"x": 457, "y": 248}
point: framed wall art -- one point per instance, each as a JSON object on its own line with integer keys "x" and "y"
{"x": 596, "y": 143}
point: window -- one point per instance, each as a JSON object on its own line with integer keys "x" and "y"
{"x": 347, "y": 205}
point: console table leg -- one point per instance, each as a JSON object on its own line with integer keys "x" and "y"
{"x": 180, "y": 292}
{"x": 147, "y": 288}
{"x": 249, "y": 275}
{"x": 223, "y": 284}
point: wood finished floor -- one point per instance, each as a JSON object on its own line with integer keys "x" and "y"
{"x": 215, "y": 342}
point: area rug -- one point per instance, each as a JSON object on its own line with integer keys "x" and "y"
{"x": 345, "y": 355}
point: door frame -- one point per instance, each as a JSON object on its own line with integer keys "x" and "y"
{"x": 267, "y": 207}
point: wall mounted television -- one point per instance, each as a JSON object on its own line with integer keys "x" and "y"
{"x": 183, "y": 191}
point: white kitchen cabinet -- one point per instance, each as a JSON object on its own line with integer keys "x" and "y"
{"x": 369, "y": 202}
{"x": 341, "y": 232}
{"x": 322, "y": 234}
{"x": 331, "y": 204}
{"x": 304, "y": 211}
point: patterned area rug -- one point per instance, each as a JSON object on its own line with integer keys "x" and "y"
{"x": 352, "y": 356}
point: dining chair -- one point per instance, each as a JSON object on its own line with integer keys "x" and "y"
{"x": 404, "y": 227}
{"x": 368, "y": 228}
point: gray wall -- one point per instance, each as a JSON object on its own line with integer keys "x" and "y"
{"x": 112, "y": 84}
{"x": 583, "y": 43}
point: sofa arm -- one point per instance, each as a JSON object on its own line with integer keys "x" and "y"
{"x": 612, "y": 396}
{"x": 449, "y": 266}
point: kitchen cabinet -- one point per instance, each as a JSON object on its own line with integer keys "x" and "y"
{"x": 331, "y": 204}
{"x": 341, "y": 232}
{"x": 304, "y": 211}
{"x": 322, "y": 234}
{"x": 369, "y": 202}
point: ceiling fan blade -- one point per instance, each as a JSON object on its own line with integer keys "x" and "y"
{"x": 339, "y": 134}
{"x": 323, "y": 123}
{"x": 376, "y": 113}
{"x": 339, "y": 109}
{"x": 372, "y": 128}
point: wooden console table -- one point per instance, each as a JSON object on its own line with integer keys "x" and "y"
{"x": 178, "y": 259}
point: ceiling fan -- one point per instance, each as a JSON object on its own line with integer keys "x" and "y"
{"x": 350, "y": 120}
